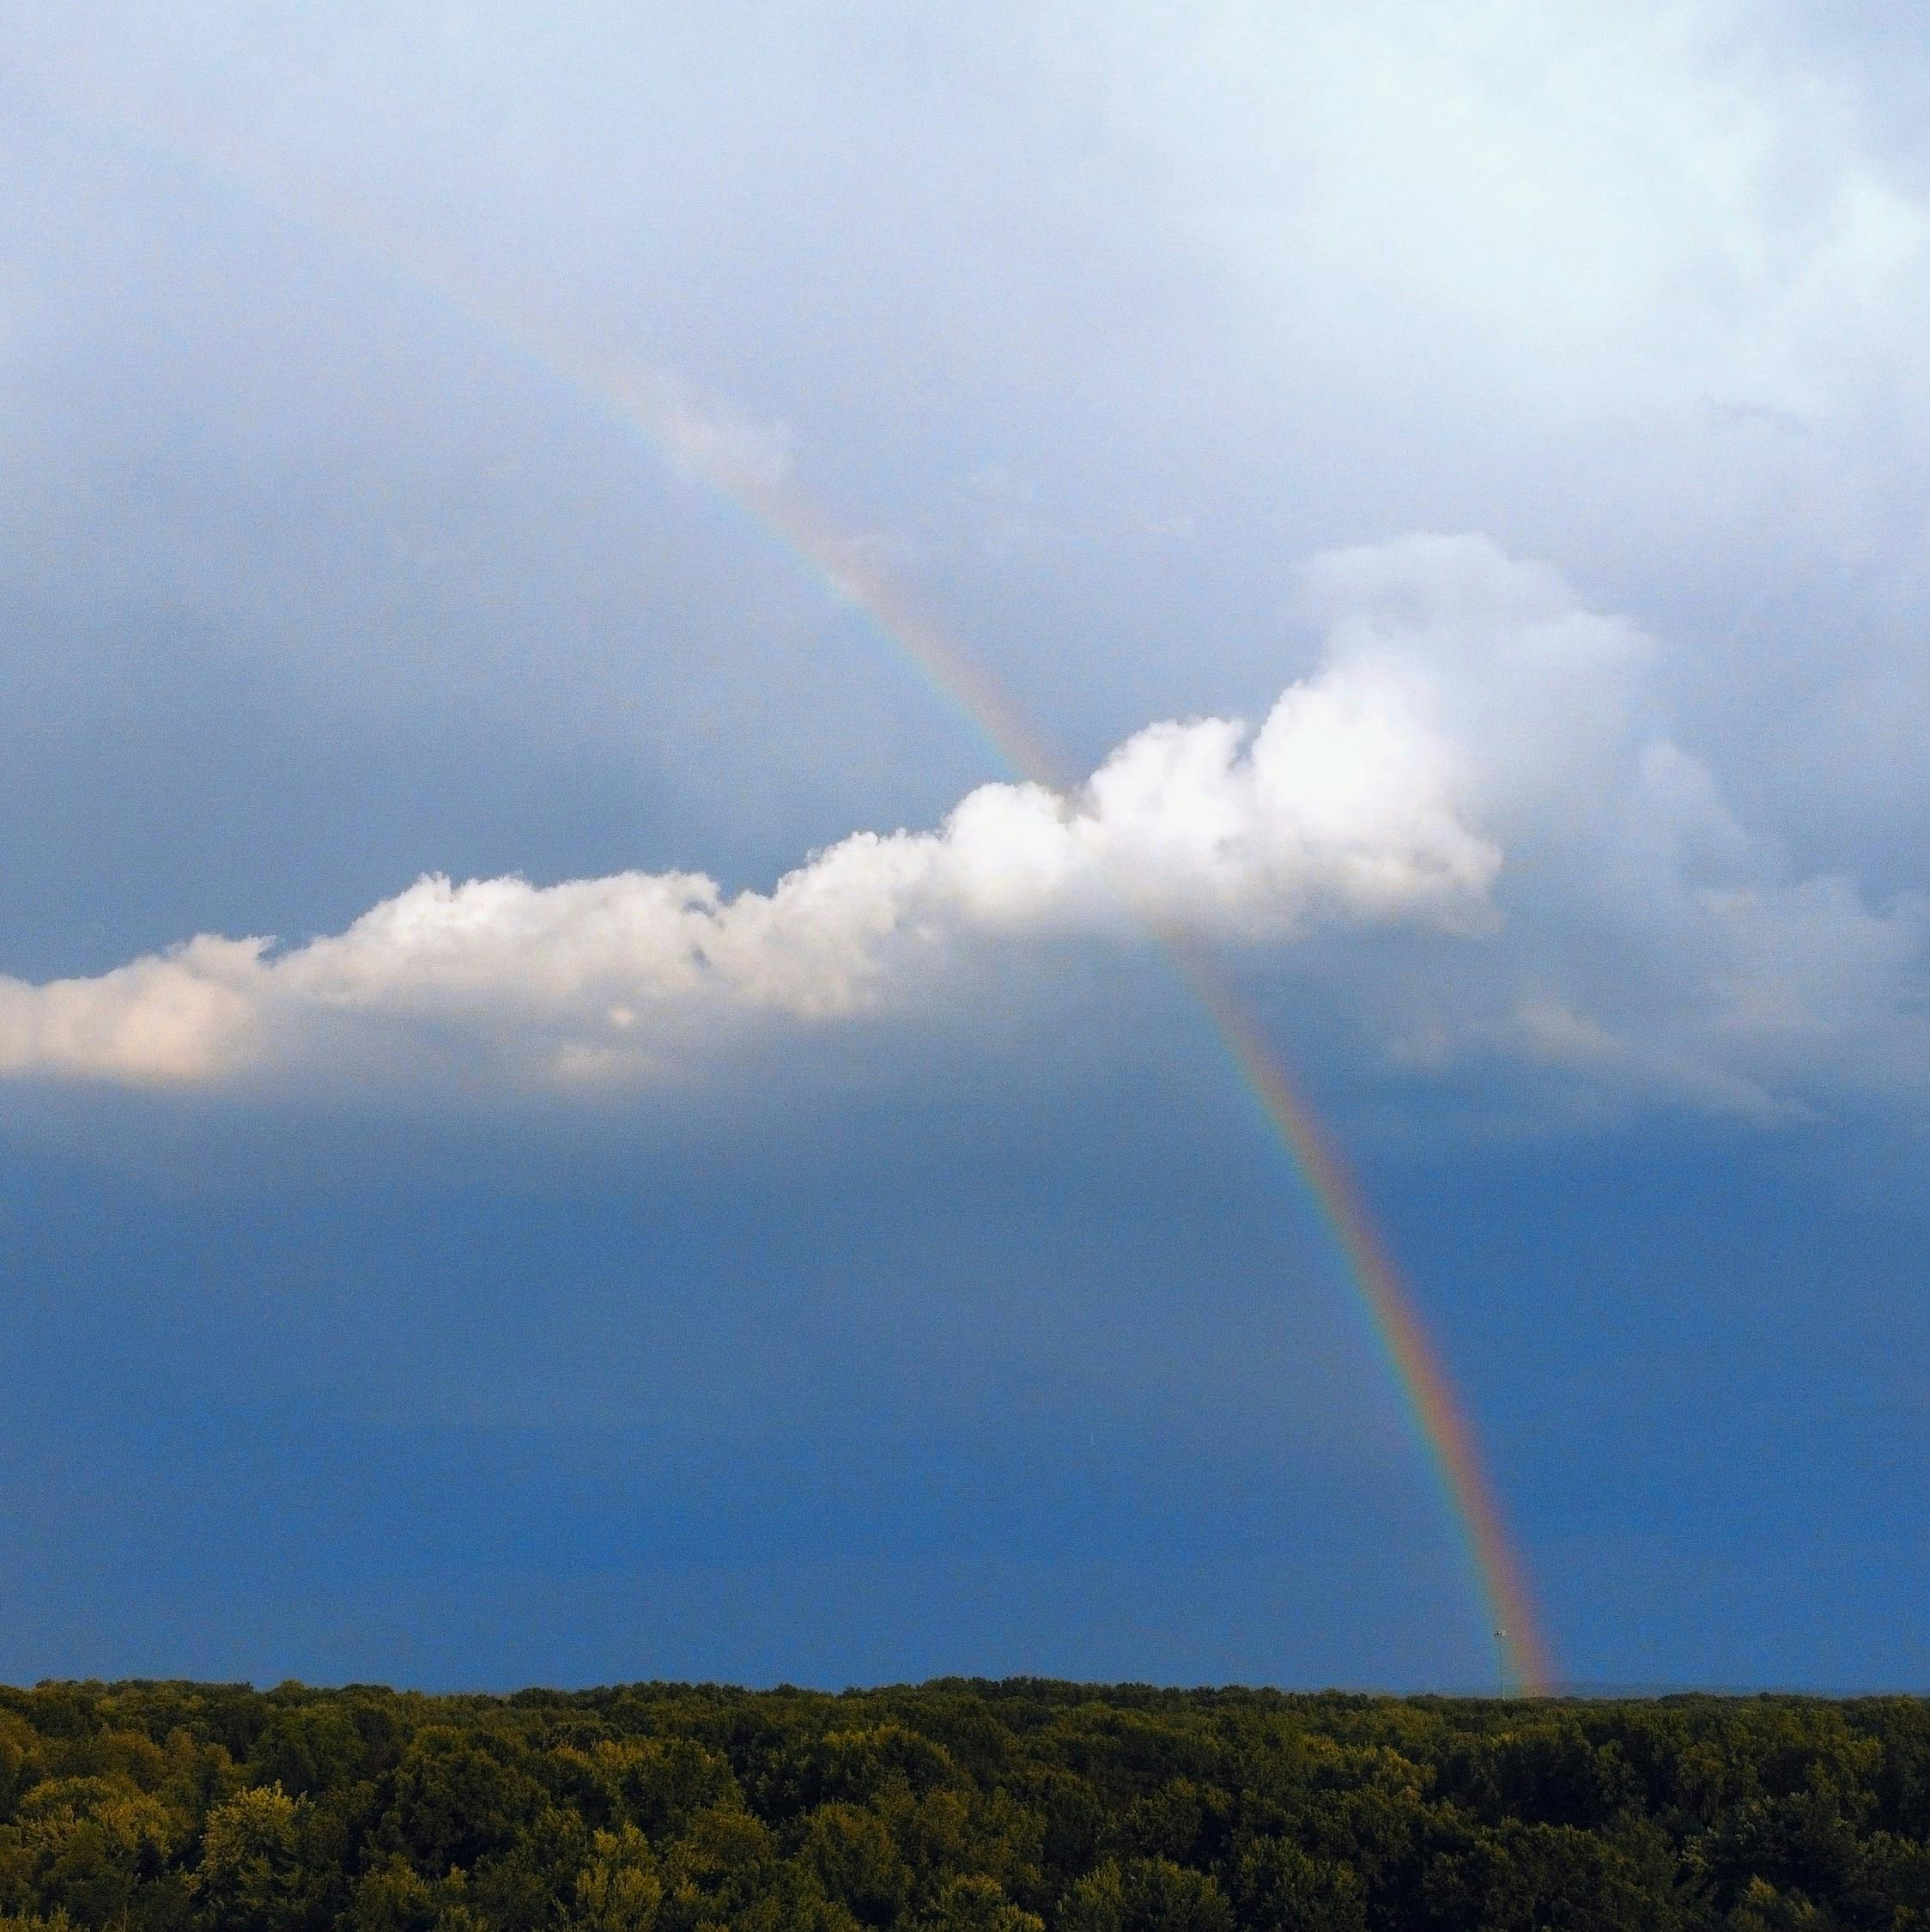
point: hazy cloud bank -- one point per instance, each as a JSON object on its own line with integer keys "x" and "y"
{"x": 1476, "y": 758}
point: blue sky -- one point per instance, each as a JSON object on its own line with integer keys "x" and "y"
{"x": 562, "y": 1118}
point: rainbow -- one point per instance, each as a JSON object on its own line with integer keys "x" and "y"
{"x": 766, "y": 492}
{"x": 760, "y": 486}
{"x": 1440, "y": 1418}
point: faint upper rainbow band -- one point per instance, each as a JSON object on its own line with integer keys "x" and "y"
{"x": 731, "y": 460}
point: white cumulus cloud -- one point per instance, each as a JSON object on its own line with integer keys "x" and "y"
{"x": 1480, "y": 760}
{"x": 1341, "y": 807}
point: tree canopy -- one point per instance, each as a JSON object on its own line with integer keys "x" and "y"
{"x": 955, "y": 1806}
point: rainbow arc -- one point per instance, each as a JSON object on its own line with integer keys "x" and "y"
{"x": 1440, "y": 1418}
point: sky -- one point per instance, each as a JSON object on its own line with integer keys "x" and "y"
{"x": 620, "y": 632}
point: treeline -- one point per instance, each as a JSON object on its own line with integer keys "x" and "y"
{"x": 955, "y": 1807}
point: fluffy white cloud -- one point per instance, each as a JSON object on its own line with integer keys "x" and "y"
{"x": 188, "y": 1017}
{"x": 1647, "y": 944}
{"x": 1479, "y": 759}
{"x": 1341, "y": 807}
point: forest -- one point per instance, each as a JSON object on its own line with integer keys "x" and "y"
{"x": 954, "y": 1807}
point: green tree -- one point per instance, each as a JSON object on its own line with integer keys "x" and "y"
{"x": 1145, "y": 1895}
{"x": 252, "y": 1875}
{"x": 620, "y": 1889}
{"x": 1280, "y": 1888}
{"x": 85, "y": 1846}
{"x": 972, "y": 1903}
{"x": 458, "y": 1797}
{"x": 856, "y": 1859}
